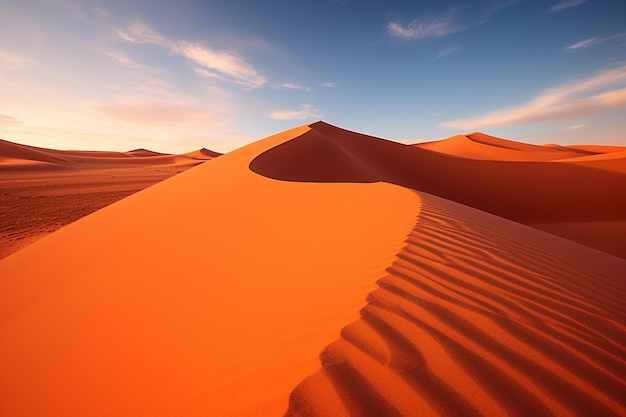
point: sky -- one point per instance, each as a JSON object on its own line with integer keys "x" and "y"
{"x": 176, "y": 76}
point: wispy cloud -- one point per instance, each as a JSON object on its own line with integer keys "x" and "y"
{"x": 576, "y": 127}
{"x": 426, "y": 27}
{"x": 329, "y": 85}
{"x": 583, "y": 44}
{"x": 452, "y": 21}
{"x": 139, "y": 32}
{"x": 581, "y": 98}
{"x": 565, "y": 4}
{"x": 125, "y": 60}
{"x": 14, "y": 61}
{"x": 209, "y": 74}
{"x": 306, "y": 111}
{"x": 447, "y": 51}
{"x": 595, "y": 41}
{"x": 291, "y": 86}
{"x": 225, "y": 63}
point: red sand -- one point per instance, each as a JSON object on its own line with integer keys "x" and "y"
{"x": 218, "y": 291}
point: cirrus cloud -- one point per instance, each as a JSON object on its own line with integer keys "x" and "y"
{"x": 618, "y": 37}
{"x": 565, "y": 4}
{"x": 292, "y": 86}
{"x": 452, "y": 21}
{"x": 225, "y": 63}
{"x": 425, "y": 27}
{"x": 577, "y": 99}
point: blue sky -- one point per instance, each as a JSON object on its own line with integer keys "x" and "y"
{"x": 175, "y": 76}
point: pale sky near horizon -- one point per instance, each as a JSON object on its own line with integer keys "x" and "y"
{"x": 175, "y": 76}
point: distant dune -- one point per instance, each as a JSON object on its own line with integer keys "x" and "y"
{"x": 42, "y": 190}
{"x": 323, "y": 272}
{"x": 17, "y": 157}
{"x": 480, "y": 146}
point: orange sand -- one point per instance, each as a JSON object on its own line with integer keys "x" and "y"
{"x": 218, "y": 291}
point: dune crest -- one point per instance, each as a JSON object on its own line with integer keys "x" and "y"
{"x": 211, "y": 293}
{"x": 490, "y": 148}
{"x": 534, "y": 193}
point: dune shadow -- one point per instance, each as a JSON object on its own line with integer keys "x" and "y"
{"x": 520, "y": 191}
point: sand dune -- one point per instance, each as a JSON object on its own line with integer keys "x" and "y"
{"x": 612, "y": 161}
{"x": 210, "y": 293}
{"x": 15, "y": 156}
{"x": 202, "y": 154}
{"x": 218, "y": 291}
{"x": 533, "y": 193}
{"x": 480, "y": 146}
{"x": 42, "y": 190}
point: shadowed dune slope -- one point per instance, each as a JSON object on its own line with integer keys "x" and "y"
{"x": 612, "y": 161}
{"x": 480, "y": 316}
{"x": 143, "y": 153}
{"x": 12, "y": 153}
{"x": 597, "y": 148}
{"x": 210, "y": 293}
{"x": 520, "y": 191}
{"x": 203, "y": 154}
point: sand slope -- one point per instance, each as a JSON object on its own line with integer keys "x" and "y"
{"x": 217, "y": 291}
{"x": 211, "y": 293}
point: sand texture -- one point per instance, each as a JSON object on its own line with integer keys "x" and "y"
{"x": 323, "y": 272}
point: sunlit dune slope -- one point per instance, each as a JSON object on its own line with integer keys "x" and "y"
{"x": 211, "y": 293}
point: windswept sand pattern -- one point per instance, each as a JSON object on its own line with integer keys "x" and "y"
{"x": 479, "y": 316}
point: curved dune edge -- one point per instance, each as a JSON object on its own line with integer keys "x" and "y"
{"x": 480, "y": 316}
{"x": 525, "y": 192}
{"x": 562, "y": 198}
{"x": 484, "y": 147}
{"x": 210, "y": 293}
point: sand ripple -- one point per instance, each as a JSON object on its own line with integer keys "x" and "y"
{"x": 480, "y": 316}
